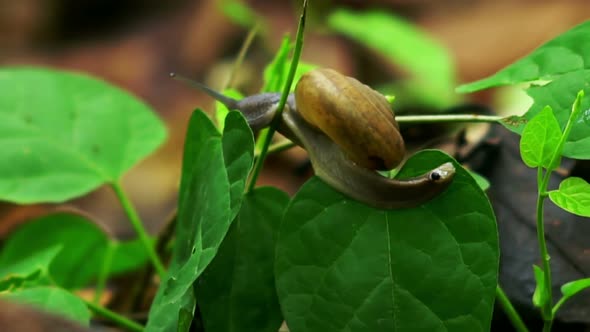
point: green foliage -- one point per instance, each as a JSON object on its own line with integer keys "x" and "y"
{"x": 568, "y": 52}
{"x": 239, "y": 12}
{"x": 573, "y": 196}
{"x": 572, "y": 288}
{"x": 30, "y": 269}
{"x": 205, "y": 211}
{"x": 433, "y": 73}
{"x": 52, "y": 299}
{"x": 83, "y": 247}
{"x": 236, "y": 292}
{"x": 221, "y": 111}
{"x": 539, "y": 139}
{"x": 540, "y": 297}
{"x": 343, "y": 266}
{"x": 558, "y": 95}
{"x": 64, "y": 134}
{"x": 276, "y": 72}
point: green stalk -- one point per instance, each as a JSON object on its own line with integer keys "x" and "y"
{"x": 508, "y": 308}
{"x": 547, "y": 306}
{"x": 121, "y": 321}
{"x": 139, "y": 229}
{"x": 104, "y": 270}
{"x": 447, "y": 118}
{"x": 277, "y": 117}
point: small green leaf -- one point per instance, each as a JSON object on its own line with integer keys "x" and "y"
{"x": 559, "y": 95}
{"x": 540, "y": 139}
{"x": 221, "y": 110}
{"x": 277, "y": 70}
{"x": 54, "y": 300}
{"x": 29, "y": 268}
{"x": 568, "y": 52}
{"x": 573, "y": 196}
{"x": 83, "y": 246}
{"x": 481, "y": 181}
{"x": 540, "y": 295}
{"x": 64, "y": 134}
{"x": 239, "y": 12}
{"x": 404, "y": 44}
{"x": 236, "y": 292}
{"x": 574, "y": 287}
{"x": 344, "y": 266}
{"x": 213, "y": 172}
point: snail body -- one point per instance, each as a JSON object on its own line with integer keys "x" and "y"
{"x": 349, "y": 132}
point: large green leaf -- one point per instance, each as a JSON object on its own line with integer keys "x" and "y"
{"x": 83, "y": 245}
{"x": 568, "y": 52}
{"x": 54, "y": 300}
{"x": 31, "y": 268}
{"x": 64, "y": 134}
{"x": 208, "y": 199}
{"x": 236, "y": 292}
{"x": 403, "y": 43}
{"x": 343, "y": 266}
{"x": 559, "y": 95}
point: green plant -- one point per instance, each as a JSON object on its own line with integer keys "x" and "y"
{"x": 247, "y": 258}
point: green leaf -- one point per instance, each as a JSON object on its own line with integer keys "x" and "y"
{"x": 64, "y": 134}
{"x": 221, "y": 110}
{"x": 239, "y": 13}
{"x": 208, "y": 199}
{"x": 236, "y": 292}
{"x": 83, "y": 245}
{"x": 481, "y": 181}
{"x": 540, "y": 295}
{"x": 403, "y": 43}
{"x": 276, "y": 72}
{"x": 54, "y": 300}
{"x": 573, "y": 196}
{"x": 559, "y": 95}
{"x": 29, "y": 269}
{"x": 540, "y": 139}
{"x": 238, "y": 156}
{"x": 574, "y": 287}
{"x": 568, "y": 52}
{"x": 343, "y": 266}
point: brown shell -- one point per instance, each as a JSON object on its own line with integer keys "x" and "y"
{"x": 356, "y": 117}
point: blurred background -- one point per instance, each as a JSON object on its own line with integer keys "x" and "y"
{"x": 134, "y": 44}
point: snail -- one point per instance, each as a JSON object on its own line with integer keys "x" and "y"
{"x": 349, "y": 132}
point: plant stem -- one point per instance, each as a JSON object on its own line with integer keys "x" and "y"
{"x": 447, "y": 118}
{"x": 277, "y": 117}
{"x": 510, "y": 311}
{"x": 115, "y": 317}
{"x": 104, "y": 270}
{"x": 547, "y": 306}
{"x": 241, "y": 55}
{"x": 139, "y": 229}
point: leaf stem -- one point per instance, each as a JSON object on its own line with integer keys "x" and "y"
{"x": 120, "y": 320}
{"x": 447, "y": 118}
{"x": 547, "y": 306}
{"x": 277, "y": 117}
{"x": 508, "y": 308}
{"x": 139, "y": 229}
{"x": 104, "y": 270}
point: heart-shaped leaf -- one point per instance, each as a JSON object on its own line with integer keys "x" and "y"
{"x": 540, "y": 139}
{"x": 211, "y": 193}
{"x": 84, "y": 246}
{"x": 64, "y": 134}
{"x": 573, "y": 196}
{"x": 236, "y": 293}
{"x": 344, "y": 266}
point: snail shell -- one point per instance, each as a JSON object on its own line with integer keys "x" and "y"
{"x": 356, "y": 117}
